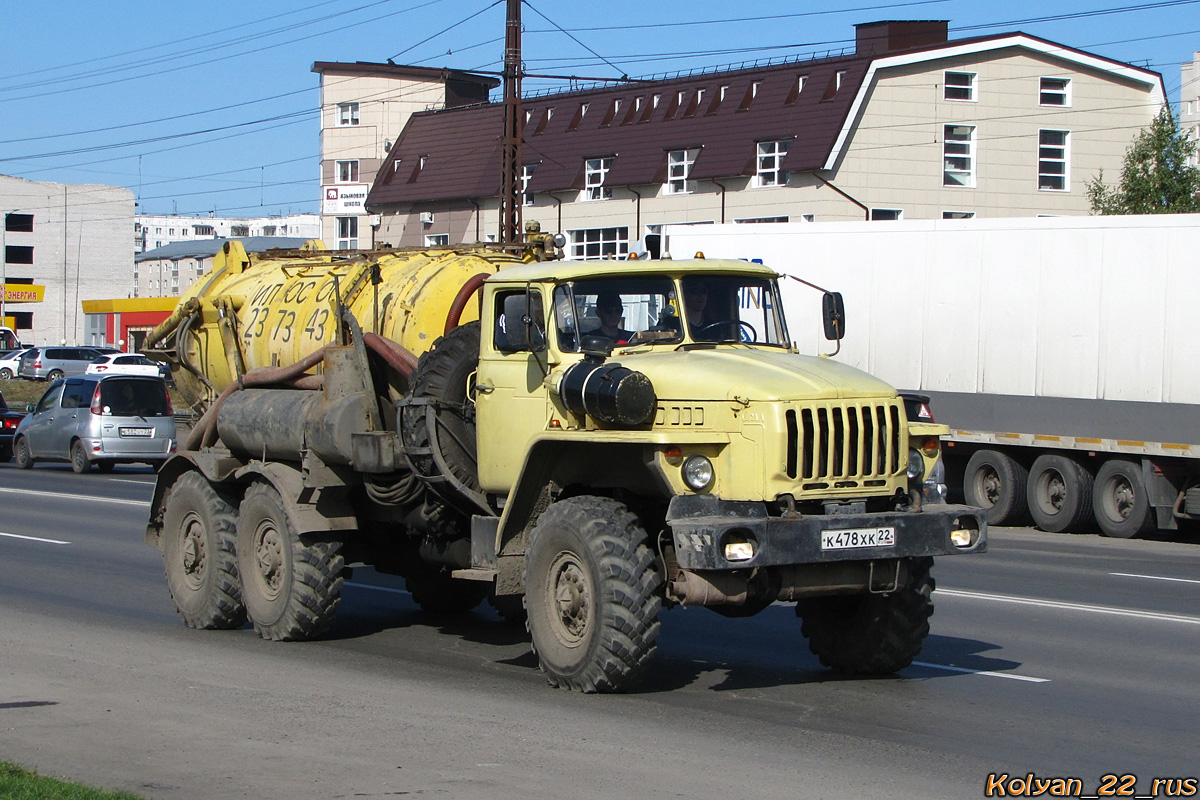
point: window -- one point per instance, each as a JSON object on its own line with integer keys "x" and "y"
{"x": 347, "y": 171}
{"x": 437, "y": 239}
{"x": 21, "y": 223}
{"x": 621, "y": 310}
{"x": 1052, "y": 160}
{"x": 885, "y": 214}
{"x": 1055, "y": 92}
{"x": 512, "y": 333}
{"x": 347, "y": 113}
{"x": 797, "y": 90}
{"x": 14, "y": 254}
{"x": 596, "y": 243}
{"x": 579, "y": 115}
{"x": 748, "y": 97}
{"x": 958, "y": 151}
{"x": 239, "y": 230}
{"x": 679, "y": 167}
{"x": 960, "y": 86}
{"x": 527, "y": 175}
{"x": 958, "y": 215}
{"x": 268, "y": 230}
{"x": 347, "y": 233}
{"x": 770, "y": 163}
{"x": 694, "y": 104}
{"x": 595, "y": 171}
{"x": 204, "y": 230}
{"x": 759, "y": 219}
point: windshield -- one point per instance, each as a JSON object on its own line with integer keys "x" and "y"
{"x": 134, "y": 398}
{"x": 733, "y": 308}
{"x": 634, "y": 310}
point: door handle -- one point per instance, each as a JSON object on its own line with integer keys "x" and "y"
{"x": 486, "y": 388}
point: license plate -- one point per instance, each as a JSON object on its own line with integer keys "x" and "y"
{"x": 145, "y": 432}
{"x": 858, "y": 537}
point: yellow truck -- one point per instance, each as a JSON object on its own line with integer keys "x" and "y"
{"x": 582, "y": 442}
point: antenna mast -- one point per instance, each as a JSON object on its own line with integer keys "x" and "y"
{"x": 514, "y": 123}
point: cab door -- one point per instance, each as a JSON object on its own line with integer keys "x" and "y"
{"x": 39, "y": 431}
{"x": 511, "y": 401}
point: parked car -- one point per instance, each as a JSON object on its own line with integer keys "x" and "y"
{"x": 10, "y": 363}
{"x": 52, "y": 363}
{"x": 98, "y": 419}
{"x": 9, "y": 420}
{"x": 127, "y": 364}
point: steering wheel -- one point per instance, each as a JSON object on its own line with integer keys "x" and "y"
{"x": 740, "y": 326}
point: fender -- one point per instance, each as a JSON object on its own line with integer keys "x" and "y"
{"x": 309, "y": 509}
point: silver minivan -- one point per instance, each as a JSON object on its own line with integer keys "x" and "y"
{"x": 98, "y": 419}
{"x": 52, "y": 363}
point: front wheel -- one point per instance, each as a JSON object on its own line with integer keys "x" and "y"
{"x": 6, "y": 374}
{"x": 292, "y": 584}
{"x": 23, "y": 454}
{"x": 591, "y": 595}
{"x": 871, "y": 634}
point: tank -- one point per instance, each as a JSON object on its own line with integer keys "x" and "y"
{"x": 275, "y": 309}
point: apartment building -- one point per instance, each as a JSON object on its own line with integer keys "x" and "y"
{"x": 150, "y": 231}
{"x": 906, "y": 125}
{"x": 1189, "y": 102}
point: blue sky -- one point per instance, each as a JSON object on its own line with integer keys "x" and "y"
{"x": 212, "y": 106}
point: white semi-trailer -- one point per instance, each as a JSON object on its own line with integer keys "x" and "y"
{"x": 1064, "y": 353}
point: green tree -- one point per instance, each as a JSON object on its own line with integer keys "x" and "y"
{"x": 1156, "y": 178}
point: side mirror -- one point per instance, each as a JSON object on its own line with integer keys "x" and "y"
{"x": 30, "y": 407}
{"x": 834, "y": 313}
{"x": 523, "y": 323}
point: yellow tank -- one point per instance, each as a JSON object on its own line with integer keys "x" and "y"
{"x": 272, "y": 310}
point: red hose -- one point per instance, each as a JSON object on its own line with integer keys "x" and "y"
{"x": 399, "y": 358}
{"x": 460, "y": 300}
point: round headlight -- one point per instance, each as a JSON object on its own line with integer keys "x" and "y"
{"x": 697, "y": 473}
{"x": 916, "y": 465}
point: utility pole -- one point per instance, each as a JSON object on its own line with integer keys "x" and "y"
{"x": 514, "y": 124}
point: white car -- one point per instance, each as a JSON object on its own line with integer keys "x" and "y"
{"x": 127, "y": 364}
{"x": 10, "y": 364}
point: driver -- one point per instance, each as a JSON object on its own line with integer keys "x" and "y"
{"x": 610, "y": 310}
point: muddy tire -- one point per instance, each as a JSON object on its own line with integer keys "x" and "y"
{"x": 871, "y": 634}
{"x": 199, "y": 532}
{"x": 23, "y": 455}
{"x": 996, "y": 483}
{"x": 591, "y": 595}
{"x": 441, "y": 399}
{"x": 438, "y": 593}
{"x": 1059, "y": 494}
{"x": 291, "y": 584}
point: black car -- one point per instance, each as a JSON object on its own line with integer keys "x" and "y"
{"x": 9, "y": 420}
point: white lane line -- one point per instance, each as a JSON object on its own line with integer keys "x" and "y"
{"x": 132, "y": 480}
{"x": 1030, "y": 601}
{"x": 376, "y": 588}
{"x": 65, "y": 496}
{"x": 1152, "y": 577}
{"x": 989, "y": 673}
{"x": 33, "y": 538}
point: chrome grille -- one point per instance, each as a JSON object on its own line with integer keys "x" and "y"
{"x": 843, "y": 442}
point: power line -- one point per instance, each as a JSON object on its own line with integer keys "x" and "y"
{"x": 444, "y": 30}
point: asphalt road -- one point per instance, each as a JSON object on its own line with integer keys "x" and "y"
{"x": 1057, "y": 655}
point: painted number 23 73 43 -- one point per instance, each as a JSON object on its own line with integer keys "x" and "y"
{"x": 859, "y": 537}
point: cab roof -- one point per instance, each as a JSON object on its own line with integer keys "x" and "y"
{"x": 540, "y": 271}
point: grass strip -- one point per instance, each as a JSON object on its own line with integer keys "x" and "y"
{"x": 21, "y": 784}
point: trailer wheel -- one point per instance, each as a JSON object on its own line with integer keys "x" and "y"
{"x": 1120, "y": 500}
{"x": 871, "y": 634}
{"x": 199, "y": 533}
{"x": 996, "y": 482}
{"x": 1059, "y": 493}
{"x": 591, "y": 595}
{"x": 438, "y": 593}
{"x": 292, "y": 584}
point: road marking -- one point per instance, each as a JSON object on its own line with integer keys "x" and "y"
{"x": 132, "y": 480}
{"x": 65, "y": 496}
{"x": 376, "y": 588}
{"x": 33, "y": 538}
{"x": 1152, "y": 577}
{"x": 989, "y": 673}
{"x": 1030, "y": 601}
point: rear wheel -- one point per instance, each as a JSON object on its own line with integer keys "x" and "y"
{"x": 24, "y": 456}
{"x": 1120, "y": 500}
{"x": 79, "y": 458}
{"x": 6, "y": 374}
{"x": 871, "y": 634}
{"x": 291, "y": 584}
{"x": 199, "y": 531}
{"x": 591, "y": 595}
{"x": 1059, "y": 493}
{"x": 996, "y": 482}
{"x": 54, "y": 375}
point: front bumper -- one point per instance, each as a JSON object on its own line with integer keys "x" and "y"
{"x": 701, "y": 525}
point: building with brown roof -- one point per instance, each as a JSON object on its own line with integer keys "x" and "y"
{"x": 909, "y": 125}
